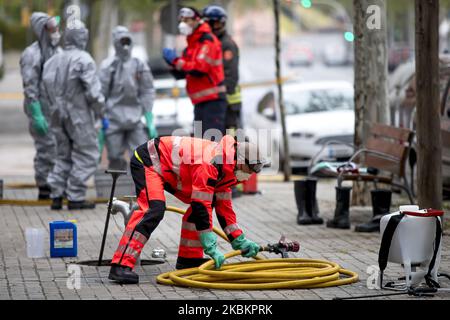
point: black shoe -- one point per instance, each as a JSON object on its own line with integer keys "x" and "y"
{"x": 303, "y": 219}
{"x": 312, "y": 207}
{"x": 81, "y": 205}
{"x": 57, "y": 204}
{"x": 370, "y": 227}
{"x": 123, "y": 275}
{"x": 186, "y": 263}
{"x": 44, "y": 193}
{"x": 342, "y": 213}
{"x": 381, "y": 206}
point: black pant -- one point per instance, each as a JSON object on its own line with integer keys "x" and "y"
{"x": 212, "y": 115}
{"x": 233, "y": 117}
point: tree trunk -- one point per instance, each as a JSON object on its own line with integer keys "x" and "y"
{"x": 429, "y": 141}
{"x": 108, "y": 19}
{"x": 286, "y": 154}
{"x": 371, "y": 72}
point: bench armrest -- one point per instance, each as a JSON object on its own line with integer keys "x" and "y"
{"x": 329, "y": 143}
{"x": 366, "y": 151}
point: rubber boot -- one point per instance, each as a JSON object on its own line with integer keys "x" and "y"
{"x": 123, "y": 275}
{"x": 81, "y": 205}
{"x": 341, "y": 215}
{"x": 186, "y": 263}
{"x": 44, "y": 193}
{"x": 57, "y": 204}
{"x": 312, "y": 207}
{"x": 303, "y": 218}
{"x": 381, "y": 205}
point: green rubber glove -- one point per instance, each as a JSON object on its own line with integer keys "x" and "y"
{"x": 209, "y": 243}
{"x": 101, "y": 142}
{"x": 152, "y": 132}
{"x": 39, "y": 122}
{"x": 249, "y": 248}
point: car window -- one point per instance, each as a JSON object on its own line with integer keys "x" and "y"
{"x": 300, "y": 102}
{"x": 267, "y": 104}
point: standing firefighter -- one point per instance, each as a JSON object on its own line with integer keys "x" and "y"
{"x": 74, "y": 88}
{"x": 217, "y": 17}
{"x": 127, "y": 84}
{"x": 197, "y": 172}
{"x": 36, "y": 104}
{"x": 202, "y": 66}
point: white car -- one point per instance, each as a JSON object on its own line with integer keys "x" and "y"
{"x": 172, "y": 110}
{"x": 316, "y": 113}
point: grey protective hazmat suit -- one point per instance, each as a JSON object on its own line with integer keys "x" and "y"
{"x": 31, "y": 64}
{"x": 127, "y": 84}
{"x": 71, "y": 80}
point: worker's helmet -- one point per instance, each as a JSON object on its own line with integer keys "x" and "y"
{"x": 248, "y": 153}
{"x": 53, "y": 24}
{"x": 215, "y": 13}
{"x": 188, "y": 12}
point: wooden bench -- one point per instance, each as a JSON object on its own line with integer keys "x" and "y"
{"x": 445, "y": 133}
{"x": 385, "y": 155}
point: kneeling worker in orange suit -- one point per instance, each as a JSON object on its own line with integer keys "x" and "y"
{"x": 200, "y": 173}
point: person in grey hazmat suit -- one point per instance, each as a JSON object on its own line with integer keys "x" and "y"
{"x": 73, "y": 85}
{"x": 36, "y": 105}
{"x": 127, "y": 84}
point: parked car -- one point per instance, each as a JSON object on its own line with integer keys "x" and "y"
{"x": 403, "y": 98}
{"x": 316, "y": 113}
{"x": 299, "y": 55}
{"x": 173, "y": 110}
{"x": 338, "y": 54}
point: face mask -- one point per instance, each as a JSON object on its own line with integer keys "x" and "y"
{"x": 124, "y": 51}
{"x": 185, "y": 29}
{"x": 55, "y": 37}
{"x": 242, "y": 176}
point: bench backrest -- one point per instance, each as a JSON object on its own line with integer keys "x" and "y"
{"x": 445, "y": 133}
{"x": 392, "y": 141}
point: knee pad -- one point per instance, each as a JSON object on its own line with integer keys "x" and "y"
{"x": 199, "y": 216}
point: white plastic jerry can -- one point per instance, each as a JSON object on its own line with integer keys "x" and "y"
{"x": 413, "y": 244}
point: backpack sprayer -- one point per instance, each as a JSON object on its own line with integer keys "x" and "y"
{"x": 412, "y": 238}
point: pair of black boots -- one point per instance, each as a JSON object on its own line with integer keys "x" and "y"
{"x": 381, "y": 205}
{"x": 308, "y": 208}
{"x": 57, "y": 204}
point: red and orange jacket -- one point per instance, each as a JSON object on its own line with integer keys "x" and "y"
{"x": 202, "y": 64}
{"x": 200, "y": 173}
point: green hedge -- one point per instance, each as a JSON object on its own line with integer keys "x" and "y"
{"x": 14, "y": 36}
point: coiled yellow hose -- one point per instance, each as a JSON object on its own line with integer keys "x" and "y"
{"x": 261, "y": 274}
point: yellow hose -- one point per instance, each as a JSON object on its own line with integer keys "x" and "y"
{"x": 261, "y": 274}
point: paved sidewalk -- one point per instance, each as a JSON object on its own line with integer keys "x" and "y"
{"x": 264, "y": 218}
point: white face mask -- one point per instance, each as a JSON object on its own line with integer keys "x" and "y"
{"x": 55, "y": 37}
{"x": 126, "y": 50}
{"x": 185, "y": 29}
{"x": 242, "y": 176}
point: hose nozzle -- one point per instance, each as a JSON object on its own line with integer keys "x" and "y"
{"x": 283, "y": 247}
